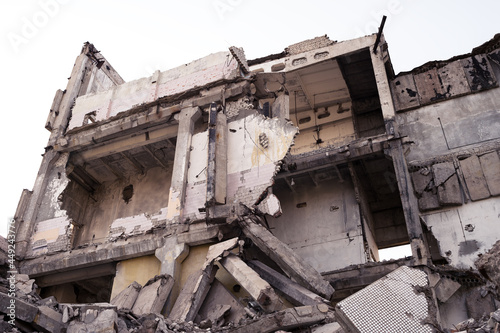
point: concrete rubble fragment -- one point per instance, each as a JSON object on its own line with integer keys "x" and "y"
{"x": 153, "y": 295}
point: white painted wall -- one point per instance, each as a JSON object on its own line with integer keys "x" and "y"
{"x": 459, "y": 246}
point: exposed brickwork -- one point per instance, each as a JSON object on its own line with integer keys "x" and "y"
{"x": 137, "y": 224}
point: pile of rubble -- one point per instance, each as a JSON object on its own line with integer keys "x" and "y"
{"x": 406, "y": 299}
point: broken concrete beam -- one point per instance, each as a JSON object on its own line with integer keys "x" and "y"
{"x": 127, "y": 297}
{"x": 153, "y": 295}
{"x": 478, "y": 305}
{"x": 288, "y": 319}
{"x": 104, "y": 323}
{"x": 474, "y": 178}
{"x": 217, "y": 250}
{"x": 217, "y": 314}
{"x": 445, "y": 288}
{"x": 192, "y": 295}
{"x": 49, "y": 319}
{"x": 292, "y": 291}
{"x": 398, "y": 302}
{"x": 15, "y": 308}
{"x": 258, "y": 288}
{"x": 286, "y": 258}
{"x": 490, "y": 163}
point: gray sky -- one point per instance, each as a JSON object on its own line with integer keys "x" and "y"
{"x": 40, "y": 40}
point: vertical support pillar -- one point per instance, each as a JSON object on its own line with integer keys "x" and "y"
{"x": 410, "y": 204}
{"x": 187, "y": 118}
{"x": 368, "y": 224}
{"x": 408, "y": 199}
{"x": 171, "y": 256}
{"x": 281, "y": 107}
{"x": 384, "y": 91}
{"x": 217, "y": 158}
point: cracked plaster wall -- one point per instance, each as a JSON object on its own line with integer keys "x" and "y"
{"x": 327, "y": 225}
{"x": 250, "y": 166}
{"x": 53, "y": 229}
{"x": 110, "y": 216}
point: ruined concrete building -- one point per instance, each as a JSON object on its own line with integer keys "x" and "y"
{"x": 244, "y": 195}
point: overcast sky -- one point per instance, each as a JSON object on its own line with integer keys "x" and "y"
{"x": 40, "y": 41}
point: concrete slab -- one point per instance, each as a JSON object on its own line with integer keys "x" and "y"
{"x": 474, "y": 178}
{"x": 153, "y": 295}
{"x": 394, "y": 303}
{"x": 490, "y": 163}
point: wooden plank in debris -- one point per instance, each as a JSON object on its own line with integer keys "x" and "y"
{"x": 286, "y": 258}
{"x": 292, "y": 291}
{"x": 258, "y": 288}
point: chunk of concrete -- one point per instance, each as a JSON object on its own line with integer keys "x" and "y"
{"x": 489, "y": 264}
{"x": 394, "y": 303}
{"x": 23, "y": 310}
{"x": 258, "y": 288}
{"x": 217, "y": 250}
{"x": 217, "y": 295}
{"x": 428, "y": 201}
{"x": 288, "y": 319}
{"x": 445, "y": 288}
{"x": 449, "y": 193}
{"x": 490, "y": 163}
{"x": 474, "y": 178}
{"x": 270, "y": 205}
{"x": 193, "y": 294}
{"x": 421, "y": 180}
{"x": 328, "y": 328}
{"x": 127, "y": 297}
{"x": 217, "y": 314}
{"x": 286, "y": 258}
{"x": 153, "y": 295}
{"x": 292, "y": 291}
{"x": 103, "y": 323}
{"x": 49, "y": 319}
{"x": 477, "y": 305}
{"x": 442, "y": 172}
{"x": 24, "y": 284}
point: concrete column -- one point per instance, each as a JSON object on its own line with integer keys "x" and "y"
{"x": 187, "y": 118}
{"x": 171, "y": 256}
{"x": 281, "y": 107}
{"x": 384, "y": 91}
{"x": 408, "y": 199}
{"x": 410, "y": 205}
